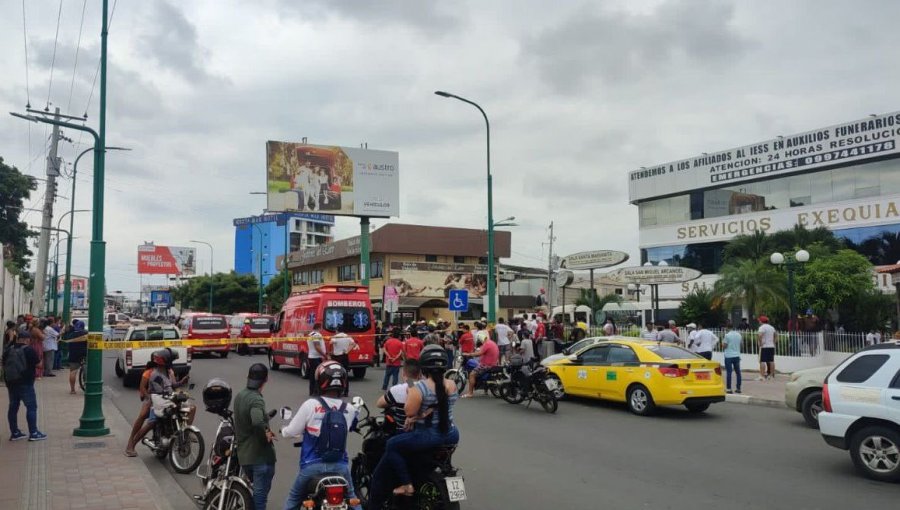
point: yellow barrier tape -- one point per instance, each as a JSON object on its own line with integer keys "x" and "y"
{"x": 112, "y": 345}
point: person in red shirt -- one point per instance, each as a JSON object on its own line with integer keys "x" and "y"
{"x": 466, "y": 340}
{"x": 413, "y": 347}
{"x": 489, "y": 357}
{"x": 393, "y": 358}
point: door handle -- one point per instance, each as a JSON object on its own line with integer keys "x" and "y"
{"x": 896, "y": 397}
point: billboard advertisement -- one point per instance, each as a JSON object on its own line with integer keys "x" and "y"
{"x": 431, "y": 279}
{"x": 343, "y": 181}
{"x": 79, "y": 290}
{"x": 173, "y": 260}
{"x": 160, "y": 298}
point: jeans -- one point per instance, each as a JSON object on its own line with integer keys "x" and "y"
{"x": 706, "y": 354}
{"x": 49, "y": 359}
{"x": 22, "y": 393}
{"x": 298, "y": 490}
{"x": 392, "y": 466}
{"x": 261, "y": 475}
{"x": 344, "y": 360}
{"x": 313, "y": 364}
{"x": 57, "y": 360}
{"x": 392, "y": 373}
{"x": 732, "y": 364}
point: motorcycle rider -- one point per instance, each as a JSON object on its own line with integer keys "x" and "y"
{"x": 394, "y": 400}
{"x": 331, "y": 379}
{"x": 489, "y": 357}
{"x": 159, "y": 382}
{"x": 429, "y": 423}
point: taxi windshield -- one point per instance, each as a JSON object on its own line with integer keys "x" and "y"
{"x": 672, "y": 352}
{"x": 347, "y": 319}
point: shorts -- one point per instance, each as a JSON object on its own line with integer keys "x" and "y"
{"x": 480, "y": 370}
{"x": 767, "y": 355}
{"x": 152, "y": 416}
{"x": 503, "y": 349}
{"x": 74, "y": 365}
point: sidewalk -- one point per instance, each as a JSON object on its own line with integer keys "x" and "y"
{"x": 67, "y": 472}
{"x": 766, "y": 393}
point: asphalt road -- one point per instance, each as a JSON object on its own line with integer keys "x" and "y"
{"x": 592, "y": 454}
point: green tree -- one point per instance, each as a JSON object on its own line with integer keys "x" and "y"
{"x": 231, "y": 293}
{"x": 755, "y": 246}
{"x": 14, "y": 232}
{"x": 754, "y": 284}
{"x": 869, "y": 310}
{"x": 701, "y": 306}
{"x": 584, "y": 298}
{"x": 826, "y": 282}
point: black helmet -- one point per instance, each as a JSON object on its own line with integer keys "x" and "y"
{"x": 433, "y": 356}
{"x": 330, "y": 375}
{"x": 217, "y": 395}
{"x": 162, "y": 357}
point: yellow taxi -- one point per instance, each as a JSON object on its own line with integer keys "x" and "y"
{"x": 642, "y": 373}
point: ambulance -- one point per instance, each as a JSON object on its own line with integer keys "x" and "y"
{"x": 339, "y": 309}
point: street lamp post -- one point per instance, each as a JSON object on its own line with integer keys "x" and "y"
{"x": 790, "y": 263}
{"x": 492, "y": 312}
{"x": 259, "y": 257}
{"x": 210, "y": 272}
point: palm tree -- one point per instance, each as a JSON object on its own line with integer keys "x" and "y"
{"x": 753, "y": 246}
{"x": 584, "y": 298}
{"x": 753, "y": 284}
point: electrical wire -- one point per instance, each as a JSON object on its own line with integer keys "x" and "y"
{"x": 77, "y": 48}
{"x": 25, "y": 40}
{"x": 53, "y": 60}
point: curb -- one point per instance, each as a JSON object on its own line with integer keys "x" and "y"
{"x": 754, "y": 401}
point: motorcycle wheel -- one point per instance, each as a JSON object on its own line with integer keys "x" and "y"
{"x": 237, "y": 497}
{"x": 458, "y": 377}
{"x": 186, "y": 451}
{"x": 560, "y": 391}
{"x": 511, "y": 393}
{"x": 548, "y": 402}
{"x": 362, "y": 480}
{"x": 431, "y": 493}
{"x": 495, "y": 390}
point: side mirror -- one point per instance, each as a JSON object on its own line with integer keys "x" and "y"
{"x": 358, "y": 401}
{"x": 286, "y": 413}
{"x": 191, "y": 386}
{"x": 572, "y": 357}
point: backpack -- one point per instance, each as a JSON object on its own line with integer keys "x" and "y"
{"x": 14, "y": 364}
{"x": 332, "y": 443}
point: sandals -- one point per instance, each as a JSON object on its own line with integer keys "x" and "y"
{"x": 131, "y": 453}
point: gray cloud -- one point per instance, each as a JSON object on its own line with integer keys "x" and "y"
{"x": 431, "y": 17}
{"x": 170, "y": 39}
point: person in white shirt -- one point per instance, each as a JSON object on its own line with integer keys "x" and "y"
{"x": 301, "y": 185}
{"x": 504, "y": 337}
{"x": 706, "y": 341}
{"x": 316, "y": 354}
{"x": 766, "y": 349}
{"x": 650, "y": 333}
{"x": 878, "y": 337}
{"x": 341, "y": 345}
{"x": 50, "y": 344}
{"x": 870, "y": 338}
{"x": 526, "y": 347}
{"x": 692, "y": 337}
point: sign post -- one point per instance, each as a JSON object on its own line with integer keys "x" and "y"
{"x": 458, "y": 301}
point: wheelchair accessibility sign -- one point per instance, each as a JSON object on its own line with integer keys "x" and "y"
{"x": 458, "y": 300}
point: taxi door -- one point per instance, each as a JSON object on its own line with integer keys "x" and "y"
{"x": 585, "y": 374}
{"x": 622, "y": 368}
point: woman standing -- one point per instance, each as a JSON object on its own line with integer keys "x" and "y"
{"x": 37, "y": 343}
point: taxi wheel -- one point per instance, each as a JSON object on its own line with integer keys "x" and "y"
{"x": 640, "y": 402}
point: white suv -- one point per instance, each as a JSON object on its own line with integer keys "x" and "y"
{"x": 130, "y": 363}
{"x": 861, "y": 397}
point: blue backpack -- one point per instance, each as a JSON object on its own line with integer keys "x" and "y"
{"x": 332, "y": 443}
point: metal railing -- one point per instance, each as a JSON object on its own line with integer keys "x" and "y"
{"x": 844, "y": 342}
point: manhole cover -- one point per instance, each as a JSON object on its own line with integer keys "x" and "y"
{"x": 90, "y": 444}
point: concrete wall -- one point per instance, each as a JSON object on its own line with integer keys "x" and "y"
{"x": 14, "y": 299}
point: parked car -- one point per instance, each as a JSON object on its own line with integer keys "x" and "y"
{"x": 804, "y": 393}
{"x": 205, "y": 326}
{"x": 861, "y": 401}
{"x": 130, "y": 363}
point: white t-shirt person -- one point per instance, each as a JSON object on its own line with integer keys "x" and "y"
{"x": 315, "y": 338}
{"x": 766, "y": 336}
{"x": 503, "y": 332}
{"x": 341, "y": 344}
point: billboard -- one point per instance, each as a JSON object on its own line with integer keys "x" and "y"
{"x": 334, "y": 180}
{"x": 594, "y": 259}
{"x": 876, "y": 136}
{"x": 79, "y": 290}
{"x": 431, "y": 279}
{"x": 160, "y": 298}
{"x": 173, "y": 260}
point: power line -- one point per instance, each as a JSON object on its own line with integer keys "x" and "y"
{"x": 25, "y": 40}
{"x": 53, "y": 60}
{"x": 77, "y": 47}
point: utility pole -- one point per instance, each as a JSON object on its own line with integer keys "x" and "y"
{"x": 550, "y": 283}
{"x": 40, "y": 276}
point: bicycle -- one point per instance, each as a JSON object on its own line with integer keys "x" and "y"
{"x": 81, "y": 371}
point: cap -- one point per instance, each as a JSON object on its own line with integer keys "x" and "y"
{"x": 691, "y": 326}
{"x": 257, "y": 375}
{"x": 763, "y": 318}
{"x": 246, "y": 321}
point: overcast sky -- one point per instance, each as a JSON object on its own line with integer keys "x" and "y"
{"x": 578, "y": 94}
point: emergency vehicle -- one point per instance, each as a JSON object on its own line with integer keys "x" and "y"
{"x": 340, "y": 309}
{"x": 201, "y": 326}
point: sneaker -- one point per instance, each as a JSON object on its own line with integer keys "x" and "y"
{"x": 738, "y": 391}
{"x": 37, "y": 436}
{"x": 729, "y": 392}
{"x": 17, "y": 435}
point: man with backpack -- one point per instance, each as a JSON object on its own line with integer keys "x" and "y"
{"x": 20, "y": 361}
{"x": 323, "y": 422}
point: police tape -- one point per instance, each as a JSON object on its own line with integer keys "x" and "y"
{"x": 117, "y": 345}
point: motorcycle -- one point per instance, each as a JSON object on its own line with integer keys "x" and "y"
{"x": 530, "y": 381}
{"x": 488, "y": 381}
{"x": 172, "y": 436}
{"x": 328, "y": 491}
{"x": 438, "y": 484}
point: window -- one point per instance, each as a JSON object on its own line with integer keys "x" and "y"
{"x": 671, "y": 352}
{"x": 347, "y": 273}
{"x": 347, "y": 319}
{"x": 317, "y": 276}
{"x": 595, "y": 356}
{"x": 430, "y": 258}
{"x": 622, "y": 354}
{"x": 896, "y": 382}
{"x": 457, "y": 259}
{"x": 377, "y": 269}
{"x": 482, "y": 261}
{"x": 862, "y": 368}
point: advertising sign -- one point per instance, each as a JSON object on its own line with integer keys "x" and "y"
{"x": 563, "y": 278}
{"x": 174, "y": 260}
{"x": 431, "y": 279}
{"x": 160, "y": 298}
{"x": 335, "y": 180}
{"x": 872, "y": 137}
{"x": 654, "y": 274}
{"x": 391, "y": 299}
{"x": 594, "y": 259}
{"x": 79, "y": 290}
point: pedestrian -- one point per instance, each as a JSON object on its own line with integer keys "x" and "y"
{"x": 667, "y": 334}
{"x": 745, "y": 324}
{"x": 870, "y": 338}
{"x": 706, "y": 341}
{"x": 413, "y": 346}
{"x": 608, "y": 328}
{"x": 556, "y": 329}
{"x": 76, "y": 340}
{"x": 732, "y": 357}
{"x": 466, "y": 340}
{"x": 480, "y": 333}
{"x": 766, "y": 349}
{"x": 50, "y": 345}
{"x": 341, "y": 345}
{"x": 37, "y": 343}
{"x": 526, "y": 347}
{"x": 877, "y": 337}
{"x": 504, "y": 338}
{"x": 255, "y": 447}
{"x": 57, "y": 359}
{"x": 692, "y": 337}
{"x": 20, "y": 362}
{"x": 316, "y": 347}
{"x": 393, "y": 358}
{"x": 674, "y": 328}
{"x": 10, "y": 335}
{"x": 650, "y": 333}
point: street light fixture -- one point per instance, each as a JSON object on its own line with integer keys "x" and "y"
{"x": 492, "y": 313}
{"x": 210, "y": 272}
{"x": 790, "y": 263}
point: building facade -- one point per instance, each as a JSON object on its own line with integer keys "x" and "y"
{"x": 845, "y": 178}
{"x": 422, "y": 262}
{"x": 261, "y": 242}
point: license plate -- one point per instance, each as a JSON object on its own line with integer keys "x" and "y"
{"x": 701, "y": 376}
{"x": 456, "y": 488}
{"x": 552, "y": 384}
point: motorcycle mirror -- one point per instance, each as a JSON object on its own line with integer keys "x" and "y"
{"x": 191, "y": 386}
{"x": 286, "y": 413}
{"x": 357, "y": 401}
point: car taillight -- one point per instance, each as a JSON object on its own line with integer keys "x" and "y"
{"x": 334, "y": 494}
{"x": 128, "y": 357}
{"x": 673, "y": 371}
{"x": 719, "y": 370}
{"x": 826, "y": 399}
{"x": 190, "y": 352}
